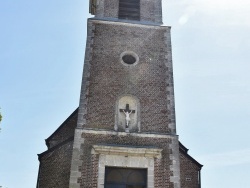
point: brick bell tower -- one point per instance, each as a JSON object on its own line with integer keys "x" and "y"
{"x": 124, "y": 134}
{"x": 126, "y": 118}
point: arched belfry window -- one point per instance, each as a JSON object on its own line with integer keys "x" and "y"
{"x": 129, "y": 9}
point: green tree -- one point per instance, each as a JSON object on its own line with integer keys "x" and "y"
{"x": 0, "y": 123}
{"x": 1, "y": 120}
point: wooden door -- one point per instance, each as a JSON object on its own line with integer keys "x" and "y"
{"x": 125, "y": 178}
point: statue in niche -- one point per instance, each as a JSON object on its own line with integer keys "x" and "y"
{"x": 127, "y": 113}
{"x": 127, "y": 118}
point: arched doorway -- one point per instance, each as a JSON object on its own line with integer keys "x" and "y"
{"x": 125, "y": 178}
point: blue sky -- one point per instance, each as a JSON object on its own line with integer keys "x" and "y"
{"x": 42, "y": 47}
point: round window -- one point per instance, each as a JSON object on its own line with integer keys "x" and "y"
{"x": 129, "y": 58}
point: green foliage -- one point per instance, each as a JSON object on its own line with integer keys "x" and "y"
{"x": 0, "y": 122}
{"x": 0, "y": 117}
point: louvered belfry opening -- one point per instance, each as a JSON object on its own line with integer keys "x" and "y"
{"x": 129, "y": 9}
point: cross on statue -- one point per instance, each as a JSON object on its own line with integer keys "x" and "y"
{"x": 127, "y": 112}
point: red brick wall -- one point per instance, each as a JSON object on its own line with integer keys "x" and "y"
{"x": 54, "y": 171}
{"x": 148, "y": 80}
{"x": 189, "y": 171}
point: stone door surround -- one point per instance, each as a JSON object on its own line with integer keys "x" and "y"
{"x": 126, "y": 157}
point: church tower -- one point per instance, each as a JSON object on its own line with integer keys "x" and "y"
{"x": 124, "y": 133}
{"x": 126, "y": 117}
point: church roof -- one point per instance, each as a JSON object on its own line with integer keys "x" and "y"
{"x": 184, "y": 151}
{"x": 63, "y": 125}
{"x": 55, "y": 148}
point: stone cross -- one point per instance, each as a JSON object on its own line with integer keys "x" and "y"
{"x": 127, "y": 112}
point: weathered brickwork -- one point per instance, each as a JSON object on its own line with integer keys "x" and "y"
{"x": 54, "y": 171}
{"x": 148, "y": 8}
{"x": 189, "y": 172}
{"x": 89, "y": 168}
{"x": 109, "y": 78}
{"x": 111, "y": 8}
{"x": 64, "y": 132}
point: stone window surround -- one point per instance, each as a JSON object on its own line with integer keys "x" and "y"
{"x": 126, "y": 157}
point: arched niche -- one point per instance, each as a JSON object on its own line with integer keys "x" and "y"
{"x": 131, "y": 105}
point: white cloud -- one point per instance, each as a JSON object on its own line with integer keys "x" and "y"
{"x": 232, "y": 158}
{"x": 227, "y": 12}
{"x": 183, "y": 19}
{"x": 223, "y": 12}
{"x": 189, "y": 12}
{"x": 222, "y": 4}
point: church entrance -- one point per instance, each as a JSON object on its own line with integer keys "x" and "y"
{"x": 125, "y": 178}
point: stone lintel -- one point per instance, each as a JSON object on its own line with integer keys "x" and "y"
{"x": 127, "y": 151}
{"x": 140, "y": 24}
{"x": 145, "y": 135}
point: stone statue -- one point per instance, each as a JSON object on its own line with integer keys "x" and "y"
{"x": 127, "y": 118}
{"x": 127, "y": 113}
